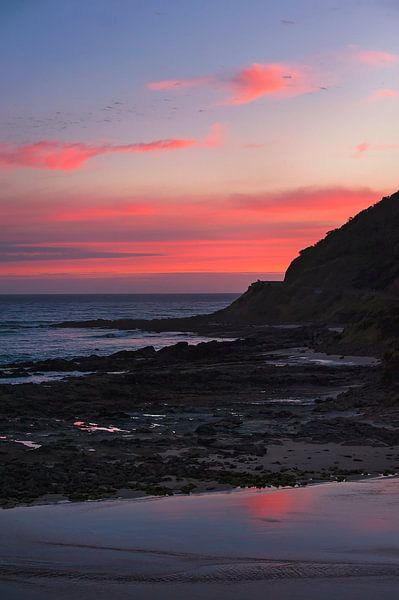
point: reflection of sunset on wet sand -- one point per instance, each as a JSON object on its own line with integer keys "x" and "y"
{"x": 300, "y": 538}
{"x": 359, "y": 514}
{"x": 277, "y": 506}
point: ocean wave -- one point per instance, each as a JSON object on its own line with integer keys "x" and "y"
{"x": 113, "y": 335}
{"x": 7, "y": 325}
{"x": 26, "y": 332}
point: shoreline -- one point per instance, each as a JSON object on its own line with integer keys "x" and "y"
{"x": 196, "y": 493}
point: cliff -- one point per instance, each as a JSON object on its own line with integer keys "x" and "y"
{"x": 349, "y": 278}
{"x": 362, "y": 254}
{"x": 351, "y": 272}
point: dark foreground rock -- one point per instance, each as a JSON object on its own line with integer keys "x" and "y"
{"x": 264, "y": 410}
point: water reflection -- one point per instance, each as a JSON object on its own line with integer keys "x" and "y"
{"x": 83, "y": 426}
{"x": 331, "y": 532}
{"x": 277, "y": 505}
{"x": 28, "y": 444}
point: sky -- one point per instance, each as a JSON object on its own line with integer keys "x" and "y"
{"x": 188, "y": 145}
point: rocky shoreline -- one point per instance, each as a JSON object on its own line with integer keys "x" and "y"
{"x": 266, "y": 409}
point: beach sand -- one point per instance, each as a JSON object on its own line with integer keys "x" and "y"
{"x": 323, "y": 541}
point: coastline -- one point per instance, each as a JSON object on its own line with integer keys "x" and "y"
{"x": 129, "y": 496}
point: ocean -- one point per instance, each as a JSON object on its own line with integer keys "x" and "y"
{"x": 26, "y": 333}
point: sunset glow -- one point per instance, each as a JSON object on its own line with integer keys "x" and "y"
{"x": 194, "y": 159}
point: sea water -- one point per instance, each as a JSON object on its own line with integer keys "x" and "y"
{"x": 26, "y": 331}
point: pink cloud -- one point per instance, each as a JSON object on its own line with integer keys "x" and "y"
{"x": 382, "y": 94}
{"x": 361, "y": 149}
{"x": 253, "y": 145}
{"x": 170, "y": 84}
{"x": 47, "y": 155}
{"x": 257, "y": 80}
{"x": 278, "y": 80}
{"x": 214, "y": 137}
{"x": 316, "y": 200}
{"x": 364, "y": 147}
{"x": 376, "y": 58}
{"x": 67, "y": 156}
{"x": 151, "y": 218}
{"x": 97, "y": 213}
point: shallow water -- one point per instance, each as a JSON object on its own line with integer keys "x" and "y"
{"x": 43, "y": 377}
{"x": 333, "y": 531}
{"x": 305, "y": 356}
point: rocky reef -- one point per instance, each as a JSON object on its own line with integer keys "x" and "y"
{"x": 269, "y": 409}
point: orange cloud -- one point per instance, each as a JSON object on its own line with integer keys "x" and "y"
{"x": 198, "y": 256}
{"x": 253, "y": 233}
{"x": 66, "y": 156}
{"x": 375, "y": 58}
{"x": 251, "y": 83}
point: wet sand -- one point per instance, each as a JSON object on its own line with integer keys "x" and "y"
{"x": 330, "y": 540}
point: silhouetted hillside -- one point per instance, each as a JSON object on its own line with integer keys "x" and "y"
{"x": 363, "y": 253}
{"x": 349, "y": 277}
